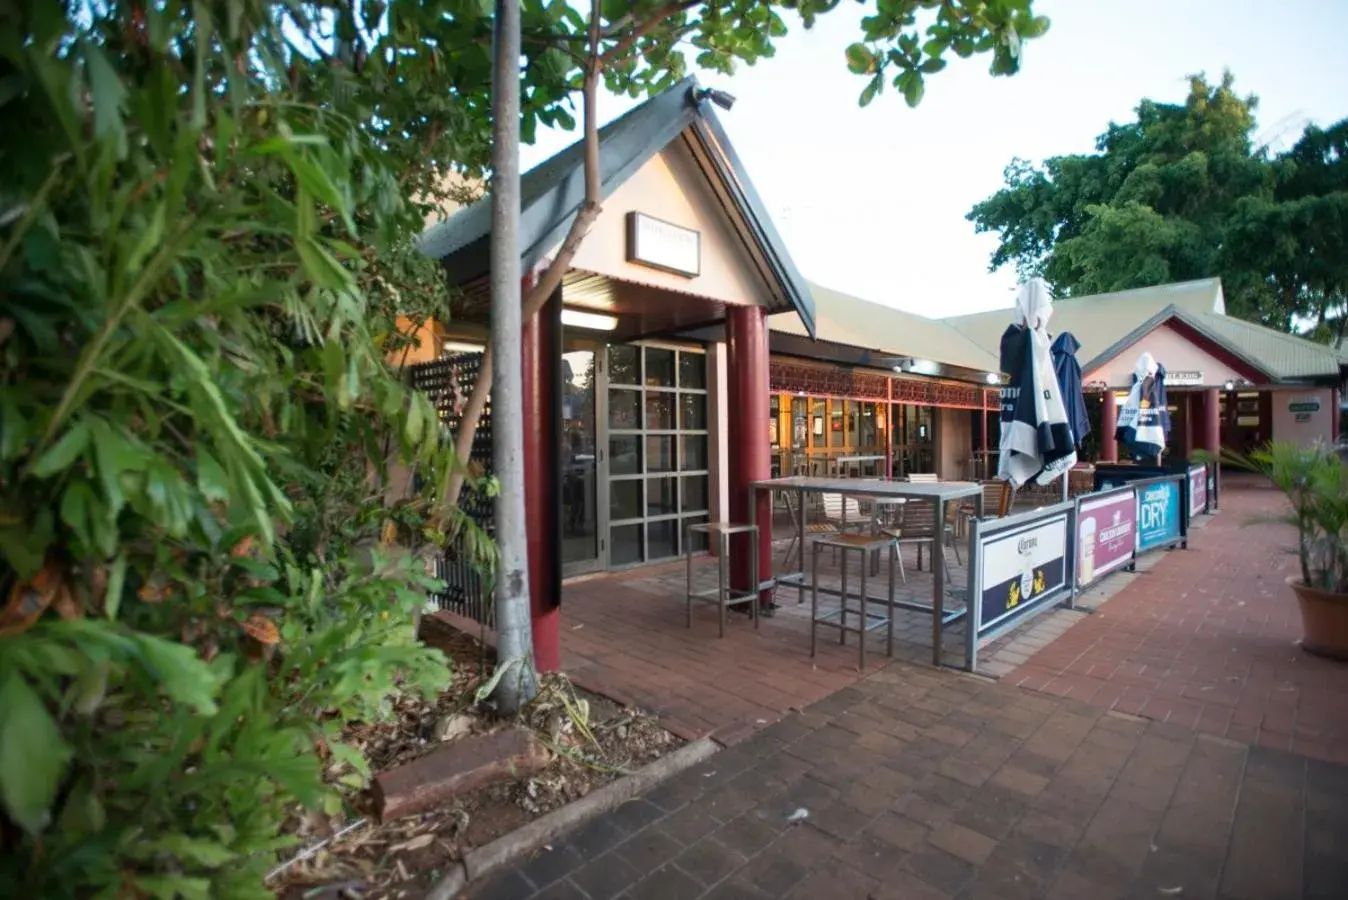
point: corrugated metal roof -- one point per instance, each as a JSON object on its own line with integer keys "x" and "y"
{"x": 844, "y": 319}
{"x": 1283, "y": 356}
{"x": 553, "y": 192}
{"x": 1104, "y": 321}
{"x": 1098, "y": 321}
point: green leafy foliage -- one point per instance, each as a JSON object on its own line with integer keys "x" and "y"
{"x": 205, "y": 248}
{"x": 1315, "y": 481}
{"x": 1183, "y": 193}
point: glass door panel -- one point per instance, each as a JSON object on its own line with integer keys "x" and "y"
{"x": 580, "y": 473}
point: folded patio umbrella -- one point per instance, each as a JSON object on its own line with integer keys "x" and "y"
{"x": 1068, "y": 370}
{"x": 1036, "y": 438}
{"x": 1144, "y": 420}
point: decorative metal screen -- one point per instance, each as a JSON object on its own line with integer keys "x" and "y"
{"x": 449, "y": 383}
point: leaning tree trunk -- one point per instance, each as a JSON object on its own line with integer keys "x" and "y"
{"x": 514, "y": 651}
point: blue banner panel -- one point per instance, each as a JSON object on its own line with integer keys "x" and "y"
{"x": 1158, "y": 515}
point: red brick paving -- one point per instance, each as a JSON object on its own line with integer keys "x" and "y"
{"x": 623, "y": 638}
{"x": 1207, "y": 640}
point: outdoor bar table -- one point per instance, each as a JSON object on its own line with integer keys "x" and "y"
{"x": 941, "y": 492}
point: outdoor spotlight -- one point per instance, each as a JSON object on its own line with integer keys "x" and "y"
{"x": 993, "y": 377}
{"x": 720, "y": 98}
{"x": 1230, "y": 385}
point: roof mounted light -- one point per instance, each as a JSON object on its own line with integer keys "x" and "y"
{"x": 992, "y": 377}
{"x": 722, "y": 99}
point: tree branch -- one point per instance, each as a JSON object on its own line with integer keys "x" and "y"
{"x": 618, "y": 50}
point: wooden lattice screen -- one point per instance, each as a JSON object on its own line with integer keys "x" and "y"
{"x": 448, "y": 382}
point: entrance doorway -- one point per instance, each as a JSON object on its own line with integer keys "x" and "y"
{"x": 580, "y": 461}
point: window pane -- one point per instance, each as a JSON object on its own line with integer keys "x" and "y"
{"x": 659, "y": 410}
{"x": 625, "y": 499}
{"x": 694, "y": 493}
{"x": 866, "y": 436}
{"x": 624, "y": 455}
{"x": 835, "y": 423}
{"x": 693, "y": 370}
{"x": 799, "y": 413}
{"x": 694, "y": 412}
{"x": 694, "y": 452}
{"x": 659, "y": 367}
{"x": 625, "y": 544}
{"x": 662, "y": 539}
{"x": 624, "y": 365}
{"x": 660, "y": 453}
{"x": 697, "y": 541}
{"x": 660, "y": 497}
{"x": 624, "y": 408}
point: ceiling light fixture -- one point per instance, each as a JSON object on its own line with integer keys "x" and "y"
{"x": 992, "y": 377}
{"x": 461, "y": 347}
{"x": 591, "y": 321}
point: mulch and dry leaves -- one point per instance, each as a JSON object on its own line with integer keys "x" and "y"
{"x": 593, "y": 740}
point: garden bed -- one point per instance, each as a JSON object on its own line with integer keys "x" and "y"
{"x": 404, "y": 857}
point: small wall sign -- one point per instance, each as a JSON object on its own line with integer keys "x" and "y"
{"x": 1304, "y": 405}
{"x": 663, "y": 245}
{"x": 1185, "y": 378}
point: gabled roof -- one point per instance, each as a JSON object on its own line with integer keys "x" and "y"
{"x": 852, "y": 321}
{"x": 554, "y": 191}
{"x": 1100, "y": 320}
{"x": 1106, "y": 324}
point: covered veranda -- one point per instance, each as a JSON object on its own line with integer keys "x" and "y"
{"x": 682, "y": 243}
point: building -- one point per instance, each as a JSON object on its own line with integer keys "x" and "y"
{"x": 683, "y": 357}
{"x": 1228, "y": 381}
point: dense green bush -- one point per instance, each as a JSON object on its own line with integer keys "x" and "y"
{"x": 201, "y": 265}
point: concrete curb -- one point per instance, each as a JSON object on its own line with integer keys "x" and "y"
{"x": 508, "y": 848}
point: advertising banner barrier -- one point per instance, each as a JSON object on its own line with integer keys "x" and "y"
{"x": 1198, "y": 490}
{"x": 1160, "y": 512}
{"x": 1106, "y": 534}
{"x": 1019, "y": 564}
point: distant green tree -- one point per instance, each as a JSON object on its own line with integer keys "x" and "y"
{"x": 1182, "y": 193}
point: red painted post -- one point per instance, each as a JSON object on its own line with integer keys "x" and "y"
{"x": 749, "y": 451}
{"x": 1187, "y": 436}
{"x": 1109, "y": 420}
{"x": 541, "y": 355}
{"x": 1212, "y": 421}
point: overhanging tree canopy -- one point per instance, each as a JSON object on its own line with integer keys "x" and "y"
{"x": 1182, "y": 192}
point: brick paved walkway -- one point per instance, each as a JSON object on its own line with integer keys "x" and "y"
{"x": 924, "y": 784}
{"x": 1206, "y": 639}
{"x": 624, "y": 636}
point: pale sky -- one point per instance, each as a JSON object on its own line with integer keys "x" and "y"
{"x": 872, "y": 201}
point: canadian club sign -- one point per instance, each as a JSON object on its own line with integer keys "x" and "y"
{"x": 1021, "y": 568}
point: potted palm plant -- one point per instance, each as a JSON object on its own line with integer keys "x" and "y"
{"x": 1315, "y": 481}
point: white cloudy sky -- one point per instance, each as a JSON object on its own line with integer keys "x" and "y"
{"x": 872, "y": 201}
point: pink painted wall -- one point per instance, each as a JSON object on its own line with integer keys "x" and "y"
{"x": 1172, "y": 350}
{"x": 1318, "y": 425}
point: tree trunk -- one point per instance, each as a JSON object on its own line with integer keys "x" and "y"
{"x": 514, "y": 642}
{"x": 547, "y": 283}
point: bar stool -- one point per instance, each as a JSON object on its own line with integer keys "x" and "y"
{"x": 864, "y": 545}
{"x": 722, "y": 595}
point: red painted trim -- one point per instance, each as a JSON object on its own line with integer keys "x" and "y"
{"x": 1217, "y": 351}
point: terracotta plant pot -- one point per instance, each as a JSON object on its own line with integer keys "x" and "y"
{"x": 1324, "y": 620}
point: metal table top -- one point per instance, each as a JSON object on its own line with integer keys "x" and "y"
{"x": 875, "y": 487}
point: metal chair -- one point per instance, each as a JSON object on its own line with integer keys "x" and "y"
{"x": 722, "y": 595}
{"x": 918, "y": 526}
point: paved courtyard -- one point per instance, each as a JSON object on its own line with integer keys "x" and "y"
{"x": 921, "y": 784}
{"x": 1206, "y": 638}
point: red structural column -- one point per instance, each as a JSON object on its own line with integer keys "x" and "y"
{"x": 1212, "y": 421}
{"x": 542, "y": 348}
{"x": 1109, "y": 420}
{"x": 750, "y": 456}
{"x": 889, "y": 428}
